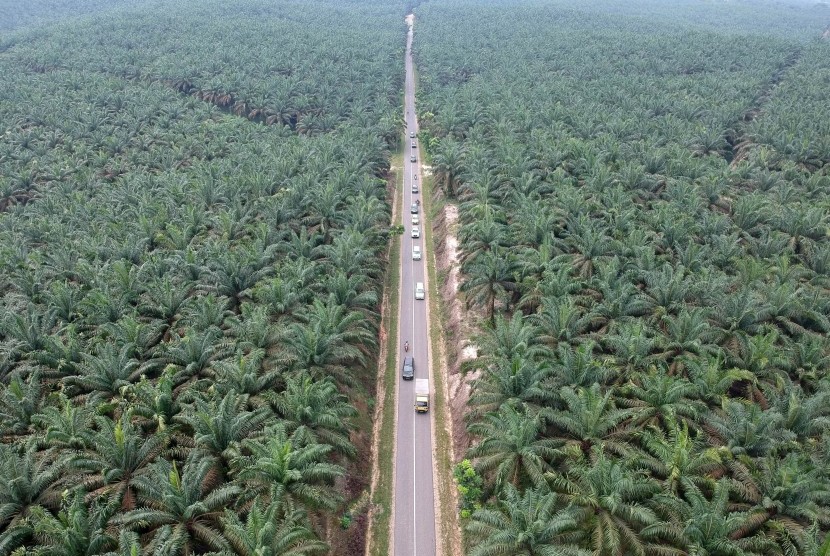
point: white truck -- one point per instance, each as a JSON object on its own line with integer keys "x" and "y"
{"x": 421, "y": 395}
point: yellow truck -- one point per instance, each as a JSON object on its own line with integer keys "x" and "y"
{"x": 421, "y": 395}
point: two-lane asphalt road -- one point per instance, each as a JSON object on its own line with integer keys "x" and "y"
{"x": 414, "y": 524}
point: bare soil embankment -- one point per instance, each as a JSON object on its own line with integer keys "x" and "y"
{"x": 458, "y": 325}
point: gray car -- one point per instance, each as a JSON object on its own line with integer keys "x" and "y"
{"x": 408, "y": 371}
{"x": 413, "y": 208}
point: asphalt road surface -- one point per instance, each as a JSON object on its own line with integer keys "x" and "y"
{"x": 414, "y": 527}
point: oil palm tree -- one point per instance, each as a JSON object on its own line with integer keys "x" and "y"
{"x": 155, "y": 404}
{"x": 292, "y": 470}
{"x": 714, "y": 380}
{"x": 77, "y": 530}
{"x": 743, "y": 428}
{"x": 675, "y": 455}
{"x": 271, "y": 531}
{"x": 704, "y": 526}
{"x": 247, "y": 374}
{"x": 352, "y": 252}
{"x": 560, "y": 321}
{"x": 589, "y": 418}
{"x": 532, "y": 523}
{"x": 659, "y": 399}
{"x": 219, "y": 425}
{"x": 492, "y": 275}
{"x": 329, "y": 339}
{"x": 586, "y": 246}
{"x": 191, "y": 355}
{"x": 181, "y": 510}
{"x": 27, "y": 481}
{"x": 234, "y": 273}
{"x": 66, "y": 426}
{"x": 101, "y": 377}
{"x": 355, "y": 292}
{"x": 117, "y": 455}
{"x": 448, "y": 164}
{"x": 686, "y": 335}
{"x": 609, "y": 504}
{"x": 316, "y": 407}
{"x": 579, "y": 367}
{"x": 784, "y": 496}
{"x": 515, "y": 382}
{"x": 482, "y": 235}
{"x": 20, "y": 402}
{"x": 510, "y": 446}
{"x": 252, "y": 328}
{"x": 507, "y": 339}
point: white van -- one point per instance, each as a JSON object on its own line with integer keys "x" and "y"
{"x": 416, "y": 253}
{"x": 419, "y": 290}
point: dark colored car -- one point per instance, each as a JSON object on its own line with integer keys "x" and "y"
{"x": 408, "y": 372}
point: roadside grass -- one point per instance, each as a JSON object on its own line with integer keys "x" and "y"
{"x": 381, "y": 498}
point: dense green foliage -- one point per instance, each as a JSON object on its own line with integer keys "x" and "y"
{"x": 16, "y": 15}
{"x": 190, "y": 290}
{"x": 643, "y": 197}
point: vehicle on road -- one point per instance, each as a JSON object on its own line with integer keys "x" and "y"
{"x": 408, "y": 370}
{"x": 419, "y": 290}
{"x": 422, "y": 395}
{"x": 415, "y": 220}
{"x": 416, "y": 232}
{"x": 413, "y": 208}
{"x": 415, "y": 187}
{"x": 412, "y": 158}
{"x": 416, "y": 253}
{"x": 414, "y": 145}
{"x": 412, "y": 134}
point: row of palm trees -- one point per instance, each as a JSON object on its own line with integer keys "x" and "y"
{"x": 652, "y": 369}
{"x": 190, "y": 301}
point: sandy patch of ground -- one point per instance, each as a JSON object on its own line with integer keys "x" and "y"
{"x": 459, "y": 327}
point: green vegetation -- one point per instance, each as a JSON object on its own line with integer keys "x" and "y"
{"x": 643, "y": 197}
{"x": 193, "y": 226}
